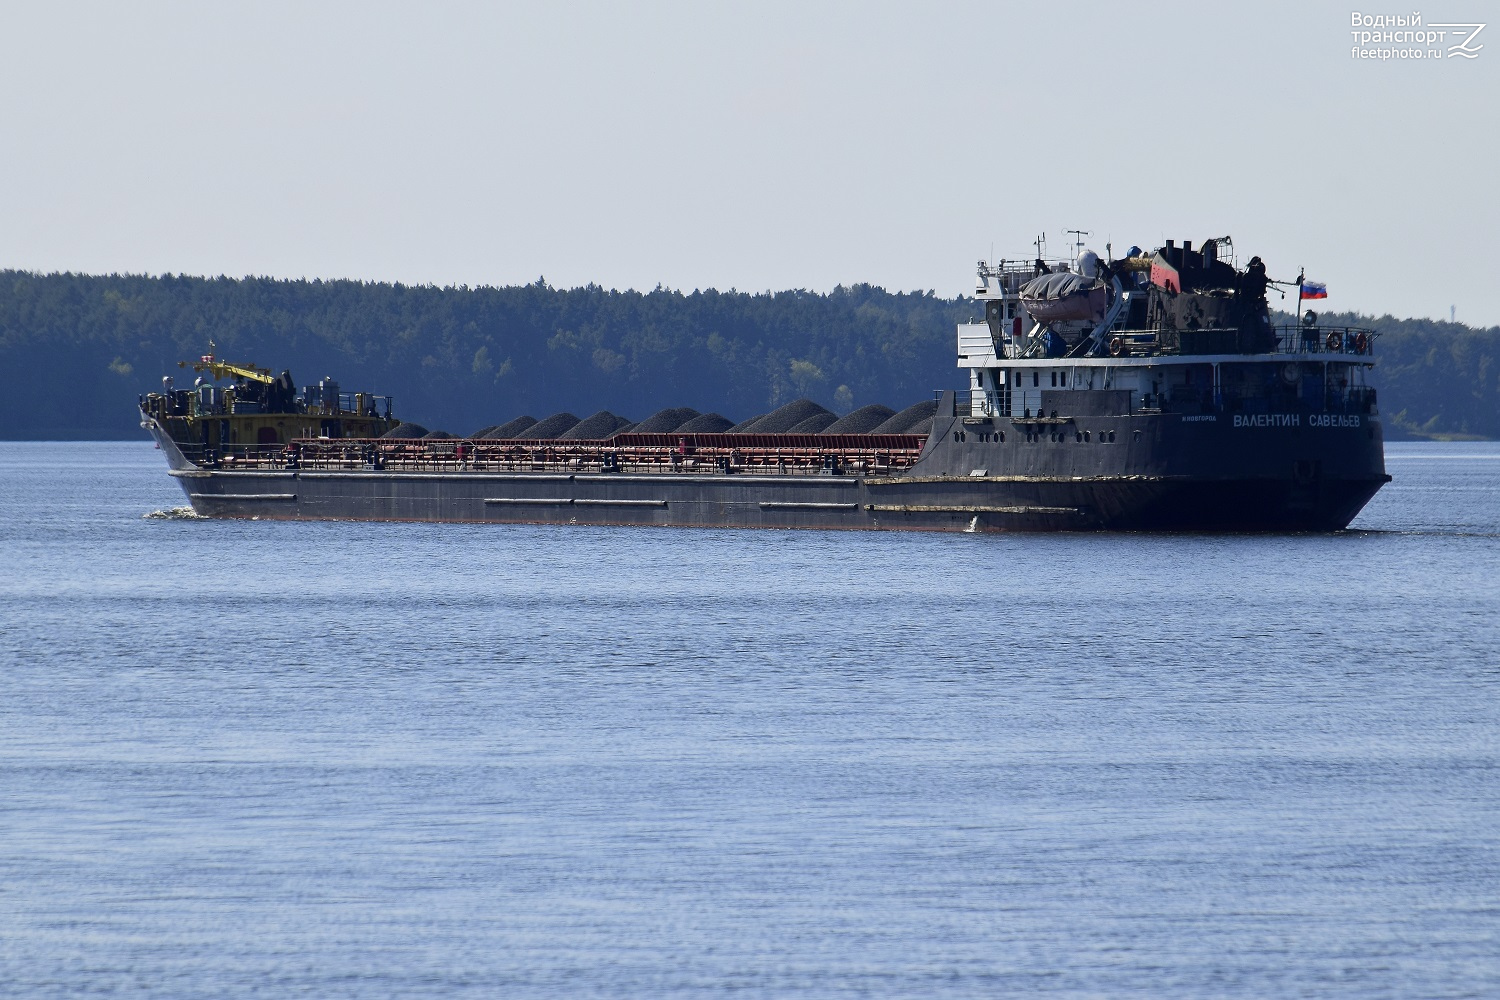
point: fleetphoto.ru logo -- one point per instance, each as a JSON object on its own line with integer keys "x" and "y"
{"x": 1404, "y": 36}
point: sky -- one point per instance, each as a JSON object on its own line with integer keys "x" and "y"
{"x": 753, "y": 146}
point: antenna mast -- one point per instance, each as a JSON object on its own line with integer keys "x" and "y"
{"x": 1078, "y": 235}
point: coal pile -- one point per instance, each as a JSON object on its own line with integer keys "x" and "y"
{"x": 550, "y": 428}
{"x": 706, "y": 423}
{"x": 623, "y": 429}
{"x": 862, "y": 421}
{"x": 915, "y": 419}
{"x": 665, "y": 421}
{"x": 438, "y": 436}
{"x": 406, "y": 430}
{"x": 923, "y": 425}
{"x": 744, "y": 425}
{"x": 595, "y": 428}
{"x": 784, "y": 418}
{"x": 509, "y": 429}
{"x": 814, "y": 424}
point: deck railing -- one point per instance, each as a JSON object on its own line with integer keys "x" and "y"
{"x": 1353, "y": 340}
{"x": 881, "y": 454}
{"x": 1287, "y": 339}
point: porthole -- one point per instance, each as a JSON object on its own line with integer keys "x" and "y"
{"x": 1078, "y": 437}
{"x": 1111, "y": 437}
{"x": 1085, "y": 436}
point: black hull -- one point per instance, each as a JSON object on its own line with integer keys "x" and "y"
{"x": 1144, "y": 472}
{"x": 756, "y": 502}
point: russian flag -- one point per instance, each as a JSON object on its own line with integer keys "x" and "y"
{"x": 1314, "y": 290}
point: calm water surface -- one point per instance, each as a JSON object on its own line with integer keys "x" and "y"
{"x": 387, "y": 760}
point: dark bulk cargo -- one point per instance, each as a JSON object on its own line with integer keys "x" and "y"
{"x": 509, "y": 429}
{"x": 915, "y": 419}
{"x": 862, "y": 421}
{"x": 1150, "y": 392}
{"x": 594, "y": 428}
{"x": 787, "y": 419}
{"x": 665, "y": 421}
{"x": 706, "y": 423}
{"x": 549, "y": 427}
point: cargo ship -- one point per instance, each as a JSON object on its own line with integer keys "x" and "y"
{"x": 1146, "y": 393}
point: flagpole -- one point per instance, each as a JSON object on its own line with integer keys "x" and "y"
{"x": 1301, "y": 277}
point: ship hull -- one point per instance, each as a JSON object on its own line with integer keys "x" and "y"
{"x": 1147, "y": 472}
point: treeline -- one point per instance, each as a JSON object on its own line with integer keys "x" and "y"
{"x": 80, "y": 348}
{"x": 77, "y": 349}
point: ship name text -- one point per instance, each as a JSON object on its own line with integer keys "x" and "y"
{"x": 1268, "y": 420}
{"x": 1295, "y": 420}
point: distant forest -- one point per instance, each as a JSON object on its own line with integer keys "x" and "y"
{"x": 77, "y": 349}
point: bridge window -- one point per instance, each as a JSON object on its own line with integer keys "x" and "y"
{"x": 1036, "y": 379}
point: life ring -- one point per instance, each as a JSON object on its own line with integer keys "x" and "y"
{"x": 1361, "y": 343}
{"x": 1116, "y": 347}
{"x": 1334, "y": 341}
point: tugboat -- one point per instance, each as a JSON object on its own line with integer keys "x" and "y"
{"x": 1146, "y": 393}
